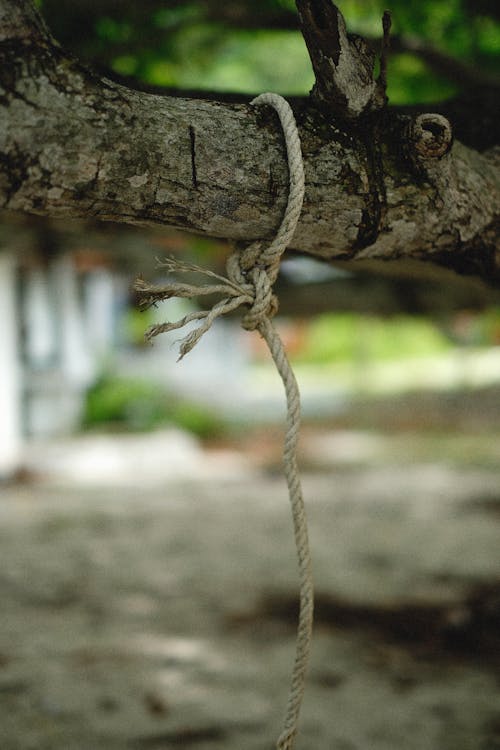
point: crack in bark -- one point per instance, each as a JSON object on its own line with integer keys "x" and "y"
{"x": 156, "y": 189}
{"x": 15, "y": 94}
{"x": 376, "y": 197}
{"x": 192, "y": 139}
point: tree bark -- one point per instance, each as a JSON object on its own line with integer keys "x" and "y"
{"x": 380, "y": 186}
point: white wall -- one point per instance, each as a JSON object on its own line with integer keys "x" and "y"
{"x": 10, "y": 371}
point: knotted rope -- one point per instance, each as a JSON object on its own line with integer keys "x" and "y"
{"x": 250, "y": 278}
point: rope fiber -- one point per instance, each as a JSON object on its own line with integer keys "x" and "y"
{"x": 251, "y": 274}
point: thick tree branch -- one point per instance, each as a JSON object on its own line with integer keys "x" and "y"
{"x": 75, "y": 145}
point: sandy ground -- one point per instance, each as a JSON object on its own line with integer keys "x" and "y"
{"x": 148, "y": 608}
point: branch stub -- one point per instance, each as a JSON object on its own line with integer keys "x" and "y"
{"x": 431, "y": 136}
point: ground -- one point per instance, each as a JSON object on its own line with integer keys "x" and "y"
{"x": 151, "y": 603}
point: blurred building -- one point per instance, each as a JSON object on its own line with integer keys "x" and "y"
{"x": 64, "y": 301}
{"x": 58, "y": 323}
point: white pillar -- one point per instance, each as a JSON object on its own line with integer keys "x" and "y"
{"x": 40, "y": 344}
{"x": 10, "y": 370}
{"x": 100, "y": 312}
{"x": 75, "y": 359}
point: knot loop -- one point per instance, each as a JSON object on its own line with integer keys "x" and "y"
{"x": 265, "y": 303}
{"x": 246, "y": 270}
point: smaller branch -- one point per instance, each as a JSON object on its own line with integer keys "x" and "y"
{"x": 431, "y": 136}
{"x": 20, "y": 20}
{"x": 384, "y": 54}
{"x": 343, "y": 63}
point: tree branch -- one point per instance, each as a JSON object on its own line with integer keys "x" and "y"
{"x": 343, "y": 63}
{"x": 76, "y": 145}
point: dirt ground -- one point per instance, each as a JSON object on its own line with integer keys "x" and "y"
{"x": 152, "y": 603}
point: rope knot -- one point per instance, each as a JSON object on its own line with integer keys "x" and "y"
{"x": 265, "y": 303}
{"x": 250, "y": 273}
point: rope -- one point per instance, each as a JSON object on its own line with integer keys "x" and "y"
{"x": 250, "y": 276}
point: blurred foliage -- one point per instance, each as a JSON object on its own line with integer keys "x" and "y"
{"x": 476, "y": 329}
{"x": 490, "y": 327}
{"x": 251, "y": 46}
{"x": 411, "y": 80}
{"x": 134, "y": 323}
{"x": 350, "y": 337}
{"x": 141, "y": 405}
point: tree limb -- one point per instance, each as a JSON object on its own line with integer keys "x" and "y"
{"x": 343, "y": 63}
{"x": 76, "y": 145}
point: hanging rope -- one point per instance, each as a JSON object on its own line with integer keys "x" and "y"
{"x": 250, "y": 277}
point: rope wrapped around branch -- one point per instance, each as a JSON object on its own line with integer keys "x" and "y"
{"x": 251, "y": 274}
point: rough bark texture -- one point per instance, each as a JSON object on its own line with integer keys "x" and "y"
{"x": 383, "y": 186}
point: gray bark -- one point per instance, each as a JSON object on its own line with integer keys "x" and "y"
{"x": 76, "y": 145}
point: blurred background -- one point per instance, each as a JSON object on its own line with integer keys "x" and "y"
{"x": 74, "y": 357}
{"x": 147, "y": 560}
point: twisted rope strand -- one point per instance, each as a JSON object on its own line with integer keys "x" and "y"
{"x": 286, "y": 739}
{"x": 284, "y": 235}
{"x": 250, "y": 276}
